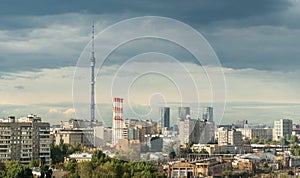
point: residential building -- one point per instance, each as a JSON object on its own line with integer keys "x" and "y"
{"x": 251, "y": 133}
{"x": 282, "y": 128}
{"x": 186, "y": 130}
{"x": 195, "y": 131}
{"x": 229, "y": 137}
{"x": 24, "y": 139}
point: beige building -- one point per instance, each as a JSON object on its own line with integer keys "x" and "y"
{"x": 200, "y": 168}
{"x": 71, "y": 136}
{"x": 24, "y": 139}
{"x": 251, "y": 133}
{"x": 229, "y": 137}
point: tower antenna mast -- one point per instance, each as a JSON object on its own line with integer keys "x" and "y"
{"x": 92, "y": 76}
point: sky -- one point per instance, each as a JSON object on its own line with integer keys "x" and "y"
{"x": 44, "y": 44}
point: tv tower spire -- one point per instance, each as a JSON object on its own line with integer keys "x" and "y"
{"x": 92, "y": 76}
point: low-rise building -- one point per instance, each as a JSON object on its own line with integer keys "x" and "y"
{"x": 251, "y": 133}
{"x": 79, "y": 157}
{"x": 199, "y": 168}
{"x": 182, "y": 169}
{"x": 71, "y": 136}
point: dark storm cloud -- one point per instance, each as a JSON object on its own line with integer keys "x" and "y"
{"x": 196, "y": 11}
{"x": 213, "y": 18}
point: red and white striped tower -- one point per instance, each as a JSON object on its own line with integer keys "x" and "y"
{"x": 118, "y": 124}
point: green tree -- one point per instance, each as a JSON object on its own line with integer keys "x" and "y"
{"x": 85, "y": 170}
{"x": 58, "y": 152}
{"x": 2, "y": 169}
{"x": 295, "y": 149}
{"x": 46, "y": 171}
{"x": 34, "y": 163}
{"x": 294, "y": 139}
{"x": 284, "y": 141}
{"x": 16, "y": 170}
{"x": 70, "y": 166}
{"x": 98, "y": 158}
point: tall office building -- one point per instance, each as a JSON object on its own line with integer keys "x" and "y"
{"x": 208, "y": 114}
{"x": 24, "y": 139}
{"x": 183, "y": 112}
{"x": 164, "y": 113}
{"x": 282, "y": 127}
{"x": 118, "y": 123}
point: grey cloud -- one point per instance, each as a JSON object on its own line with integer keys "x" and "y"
{"x": 30, "y": 21}
{"x": 19, "y": 87}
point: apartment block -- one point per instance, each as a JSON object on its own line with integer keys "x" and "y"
{"x": 24, "y": 139}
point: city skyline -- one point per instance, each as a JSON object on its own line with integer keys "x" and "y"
{"x": 257, "y": 49}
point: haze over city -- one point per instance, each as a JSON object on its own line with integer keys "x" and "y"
{"x": 256, "y": 43}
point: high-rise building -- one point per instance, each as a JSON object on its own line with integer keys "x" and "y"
{"x": 195, "y": 131}
{"x": 164, "y": 113}
{"x": 208, "y": 114}
{"x": 282, "y": 127}
{"x": 229, "y": 137}
{"x": 118, "y": 123}
{"x": 183, "y": 112}
{"x": 24, "y": 139}
{"x": 187, "y": 134}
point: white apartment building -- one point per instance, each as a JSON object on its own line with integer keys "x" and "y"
{"x": 282, "y": 127}
{"x": 229, "y": 137}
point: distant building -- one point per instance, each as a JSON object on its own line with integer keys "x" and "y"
{"x": 199, "y": 168}
{"x": 251, "y": 133}
{"x": 183, "y": 112}
{"x": 102, "y": 136}
{"x": 71, "y": 136}
{"x": 80, "y": 123}
{"x": 24, "y": 139}
{"x": 229, "y": 137}
{"x": 282, "y": 127}
{"x": 164, "y": 113}
{"x": 208, "y": 114}
{"x": 186, "y": 128}
{"x": 79, "y": 157}
{"x": 118, "y": 123}
{"x": 195, "y": 131}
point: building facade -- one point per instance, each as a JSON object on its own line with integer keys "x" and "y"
{"x": 229, "y": 137}
{"x": 282, "y": 128}
{"x": 251, "y": 133}
{"x": 118, "y": 123}
{"x": 24, "y": 139}
{"x": 164, "y": 113}
{"x": 183, "y": 112}
{"x": 76, "y": 135}
{"x": 208, "y": 114}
